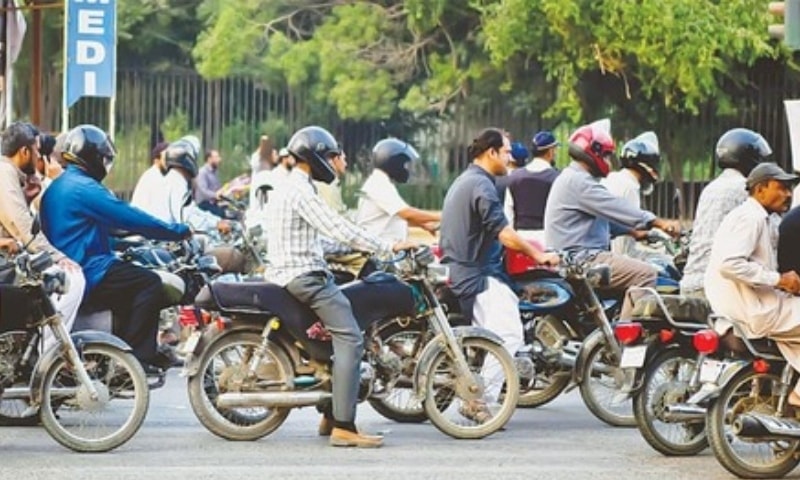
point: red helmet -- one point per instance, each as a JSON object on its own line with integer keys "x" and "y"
{"x": 592, "y": 144}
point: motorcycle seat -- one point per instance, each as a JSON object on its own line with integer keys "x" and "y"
{"x": 732, "y": 342}
{"x": 682, "y": 309}
{"x": 377, "y": 296}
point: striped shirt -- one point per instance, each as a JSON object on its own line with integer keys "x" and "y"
{"x": 297, "y": 220}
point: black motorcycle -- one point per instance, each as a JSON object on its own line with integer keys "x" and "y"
{"x": 658, "y": 363}
{"x": 88, "y": 390}
{"x": 266, "y": 356}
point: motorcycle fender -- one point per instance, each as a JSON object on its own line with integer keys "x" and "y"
{"x": 437, "y": 345}
{"x": 710, "y": 391}
{"x": 593, "y": 339}
{"x": 82, "y": 339}
{"x": 211, "y": 335}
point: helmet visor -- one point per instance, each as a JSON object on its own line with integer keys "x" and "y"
{"x": 763, "y": 148}
{"x": 108, "y": 162}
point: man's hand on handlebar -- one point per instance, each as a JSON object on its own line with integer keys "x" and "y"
{"x": 790, "y": 282}
{"x": 672, "y": 227}
{"x": 405, "y": 245}
{"x": 224, "y": 227}
{"x": 548, "y": 259}
{"x": 9, "y": 245}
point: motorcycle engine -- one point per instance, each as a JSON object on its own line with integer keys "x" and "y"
{"x": 12, "y": 348}
{"x": 551, "y": 333}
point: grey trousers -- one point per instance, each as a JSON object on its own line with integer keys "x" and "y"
{"x": 317, "y": 290}
{"x": 627, "y": 272}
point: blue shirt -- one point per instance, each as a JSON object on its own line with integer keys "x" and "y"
{"x": 77, "y": 213}
{"x": 472, "y": 218}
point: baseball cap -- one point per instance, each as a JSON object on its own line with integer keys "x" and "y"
{"x": 544, "y": 140}
{"x": 283, "y": 152}
{"x": 769, "y": 171}
{"x": 519, "y": 153}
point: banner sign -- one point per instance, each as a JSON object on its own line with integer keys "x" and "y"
{"x": 91, "y": 40}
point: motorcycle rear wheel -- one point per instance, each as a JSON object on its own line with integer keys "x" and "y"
{"x": 444, "y": 406}
{"x": 531, "y": 395}
{"x": 598, "y": 386}
{"x": 83, "y": 424}
{"x": 666, "y": 382}
{"x": 745, "y": 392}
{"x": 229, "y": 355}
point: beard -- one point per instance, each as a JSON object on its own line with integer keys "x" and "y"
{"x": 29, "y": 168}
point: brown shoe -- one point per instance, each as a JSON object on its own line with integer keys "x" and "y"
{"x": 325, "y": 427}
{"x": 477, "y": 411}
{"x": 345, "y": 438}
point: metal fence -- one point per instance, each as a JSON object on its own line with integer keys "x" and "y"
{"x": 232, "y": 114}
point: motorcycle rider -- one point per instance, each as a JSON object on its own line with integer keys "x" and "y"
{"x": 20, "y": 149}
{"x": 151, "y": 184}
{"x": 77, "y": 214}
{"x": 381, "y": 210}
{"x": 580, "y": 212}
{"x": 742, "y": 281}
{"x": 519, "y": 157}
{"x": 737, "y": 152}
{"x": 172, "y": 203}
{"x": 640, "y": 159}
{"x": 472, "y": 223}
{"x": 529, "y": 188}
{"x": 296, "y": 216}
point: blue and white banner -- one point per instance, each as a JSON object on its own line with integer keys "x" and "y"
{"x": 91, "y": 39}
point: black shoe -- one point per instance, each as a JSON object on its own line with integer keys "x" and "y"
{"x": 166, "y": 358}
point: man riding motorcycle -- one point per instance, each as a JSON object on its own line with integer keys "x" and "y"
{"x": 296, "y": 218}
{"x": 78, "y": 214}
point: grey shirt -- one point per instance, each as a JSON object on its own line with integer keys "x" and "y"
{"x": 472, "y": 218}
{"x": 579, "y": 210}
{"x": 206, "y": 184}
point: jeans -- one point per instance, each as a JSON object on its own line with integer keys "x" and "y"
{"x": 317, "y": 290}
{"x": 136, "y": 296}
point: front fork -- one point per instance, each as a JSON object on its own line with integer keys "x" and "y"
{"x": 71, "y": 353}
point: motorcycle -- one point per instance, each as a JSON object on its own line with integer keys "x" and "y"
{"x": 745, "y": 384}
{"x": 263, "y": 358}
{"x": 183, "y": 271}
{"x": 658, "y": 363}
{"x": 88, "y": 390}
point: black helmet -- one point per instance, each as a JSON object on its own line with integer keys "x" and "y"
{"x": 393, "y": 156}
{"x": 642, "y": 155}
{"x": 315, "y": 146}
{"x": 90, "y": 148}
{"x": 741, "y": 149}
{"x": 183, "y": 153}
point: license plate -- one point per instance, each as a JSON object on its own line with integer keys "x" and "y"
{"x": 633, "y": 357}
{"x": 191, "y": 342}
{"x": 710, "y": 370}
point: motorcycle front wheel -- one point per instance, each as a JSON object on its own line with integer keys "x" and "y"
{"x": 226, "y": 362}
{"x": 85, "y": 424}
{"x": 493, "y": 372}
{"x": 599, "y": 386}
{"x": 666, "y": 382}
{"x": 748, "y": 457}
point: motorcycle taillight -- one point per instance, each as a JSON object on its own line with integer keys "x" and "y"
{"x": 627, "y": 333}
{"x": 706, "y": 341}
{"x": 188, "y": 317}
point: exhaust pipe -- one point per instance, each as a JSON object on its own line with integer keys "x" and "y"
{"x": 16, "y": 393}
{"x": 760, "y": 426}
{"x": 684, "y": 412}
{"x": 271, "y": 399}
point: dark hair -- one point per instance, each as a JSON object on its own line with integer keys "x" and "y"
{"x": 16, "y": 136}
{"x": 486, "y": 139}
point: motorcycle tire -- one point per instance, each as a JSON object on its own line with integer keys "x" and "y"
{"x": 70, "y": 416}
{"x": 449, "y": 412}
{"x": 598, "y": 378}
{"x": 530, "y": 397}
{"x": 666, "y": 381}
{"x": 240, "y": 424}
{"x": 748, "y": 391}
